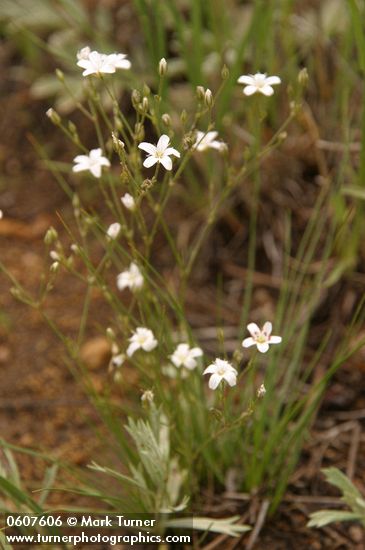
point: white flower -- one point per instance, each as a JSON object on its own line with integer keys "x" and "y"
{"x": 83, "y": 53}
{"x": 185, "y": 356}
{"x": 94, "y": 62}
{"x": 130, "y": 278}
{"x": 147, "y": 396}
{"x": 258, "y": 82}
{"x": 128, "y": 201}
{"x": 118, "y": 360}
{"x": 54, "y": 256}
{"x": 207, "y": 140}
{"x": 114, "y": 230}
{"x": 142, "y": 338}
{"x": 221, "y": 370}
{"x": 261, "y": 391}
{"x": 260, "y": 338}
{"x": 159, "y": 153}
{"x": 92, "y": 162}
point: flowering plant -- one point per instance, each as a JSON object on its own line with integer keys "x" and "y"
{"x": 251, "y": 400}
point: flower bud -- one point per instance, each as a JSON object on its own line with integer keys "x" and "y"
{"x": 128, "y": 201}
{"x": 15, "y": 292}
{"x": 54, "y": 255}
{"x": 75, "y": 248}
{"x": 208, "y": 98}
{"x": 118, "y": 377}
{"x": 144, "y": 104}
{"x": 200, "y": 92}
{"x": 75, "y": 201}
{"x": 114, "y": 230}
{"x": 110, "y": 333}
{"x": 146, "y": 90}
{"x": 51, "y": 236}
{"x": 147, "y": 397}
{"x": 303, "y": 77}
{"x": 76, "y": 205}
{"x": 60, "y": 75}
{"x": 118, "y": 144}
{"x": 162, "y": 67}
{"x": 225, "y": 72}
{"x": 136, "y": 98}
{"x": 183, "y": 116}
{"x": 115, "y": 349}
{"x": 166, "y": 119}
{"x": 53, "y": 116}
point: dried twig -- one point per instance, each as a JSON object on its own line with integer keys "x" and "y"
{"x": 259, "y": 523}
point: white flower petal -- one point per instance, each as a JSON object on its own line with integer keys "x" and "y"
{"x": 148, "y": 147}
{"x": 163, "y": 143}
{"x": 88, "y": 71}
{"x": 149, "y": 345}
{"x": 210, "y": 369}
{"x": 214, "y": 381}
{"x": 210, "y": 136}
{"x": 172, "y": 151}
{"x": 190, "y": 363}
{"x": 253, "y": 329}
{"x": 275, "y": 339}
{"x": 83, "y": 63}
{"x": 246, "y": 79}
{"x": 166, "y": 163}
{"x": 231, "y": 378}
{"x": 266, "y": 90}
{"x": 122, "y": 282}
{"x": 132, "y": 348}
{"x": 262, "y": 347}
{"x": 272, "y": 80}
{"x": 267, "y": 328}
{"x": 95, "y": 170}
{"x": 249, "y": 90}
{"x": 175, "y": 360}
{"x": 81, "y": 158}
{"x": 219, "y": 145}
{"x": 95, "y": 57}
{"x": 248, "y": 342}
{"x": 79, "y": 167}
{"x": 95, "y": 154}
{"x": 196, "y": 352}
{"x": 150, "y": 161}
